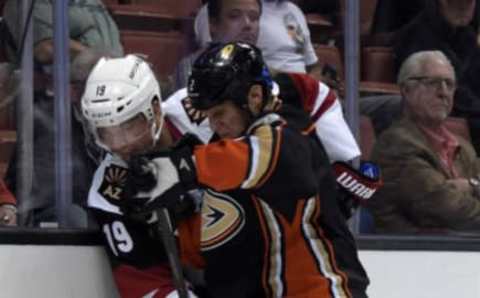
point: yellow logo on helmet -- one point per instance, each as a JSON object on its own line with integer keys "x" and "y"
{"x": 227, "y": 51}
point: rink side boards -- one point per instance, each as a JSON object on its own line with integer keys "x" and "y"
{"x": 72, "y": 264}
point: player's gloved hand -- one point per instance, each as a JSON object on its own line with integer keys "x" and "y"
{"x": 356, "y": 186}
{"x": 160, "y": 179}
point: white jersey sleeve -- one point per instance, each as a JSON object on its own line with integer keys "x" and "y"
{"x": 331, "y": 127}
{"x": 179, "y": 112}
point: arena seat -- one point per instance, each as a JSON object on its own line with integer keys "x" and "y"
{"x": 164, "y": 50}
{"x": 330, "y": 55}
{"x": 179, "y": 8}
{"x": 368, "y": 88}
{"x": 378, "y": 71}
{"x": 333, "y": 56}
{"x": 149, "y": 18}
{"x": 321, "y": 28}
{"x": 378, "y": 64}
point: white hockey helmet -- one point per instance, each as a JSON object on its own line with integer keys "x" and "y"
{"x": 119, "y": 89}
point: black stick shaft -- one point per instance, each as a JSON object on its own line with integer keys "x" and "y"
{"x": 166, "y": 232}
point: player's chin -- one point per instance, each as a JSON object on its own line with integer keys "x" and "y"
{"x": 127, "y": 154}
{"x": 248, "y": 38}
{"x": 226, "y": 134}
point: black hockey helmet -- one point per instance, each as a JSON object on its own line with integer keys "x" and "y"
{"x": 227, "y": 71}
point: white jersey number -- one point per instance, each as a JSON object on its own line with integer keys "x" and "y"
{"x": 118, "y": 237}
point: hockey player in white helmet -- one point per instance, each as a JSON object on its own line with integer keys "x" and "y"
{"x": 122, "y": 105}
{"x": 127, "y": 128}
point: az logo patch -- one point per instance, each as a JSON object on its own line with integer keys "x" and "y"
{"x": 222, "y": 219}
{"x": 113, "y": 183}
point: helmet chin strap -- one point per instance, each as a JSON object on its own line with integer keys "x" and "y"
{"x": 157, "y": 130}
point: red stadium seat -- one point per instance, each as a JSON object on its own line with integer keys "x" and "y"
{"x": 321, "y": 28}
{"x": 180, "y": 8}
{"x": 330, "y": 55}
{"x": 164, "y": 50}
{"x": 149, "y": 18}
{"x": 378, "y": 64}
{"x": 378, "y": 71}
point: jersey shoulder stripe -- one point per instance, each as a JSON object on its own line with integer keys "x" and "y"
{"x": 265, "y": 147}
{"x": 325, "y": 100}
{"x": 308, "y": 89}
{"x": 245, "y": 162}
{"x": 322, "y": 249}
{"x": 273, "y": 279}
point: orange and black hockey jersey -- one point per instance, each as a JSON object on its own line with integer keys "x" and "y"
{"x": 270, "y": 225}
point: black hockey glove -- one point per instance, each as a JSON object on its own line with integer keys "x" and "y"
{"x": 160, "y": 179}
{"x": 356, "y": 186}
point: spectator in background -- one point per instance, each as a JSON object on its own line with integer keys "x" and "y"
{"x": 430, "y": 174}
{"x": 238, "y": 20}
{"x": 284, "y": 37}
{"x": 450, "y": 26}
{"x": 90, "y": 28}
{"x": 390, "y": 16}
{"x": 225, "y": 21}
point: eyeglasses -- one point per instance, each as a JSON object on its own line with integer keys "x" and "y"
{"x": 434, "y": 83}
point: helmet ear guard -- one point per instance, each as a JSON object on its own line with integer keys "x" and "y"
{"x": 157, "y": 129}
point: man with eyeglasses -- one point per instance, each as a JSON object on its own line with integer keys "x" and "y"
{"x": 430, "y": 174}
{"x": 450, "y": 26}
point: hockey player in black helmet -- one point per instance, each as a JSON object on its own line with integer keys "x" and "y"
{"x": 227, "y": 72}
{"x": 232, "y": 76}
{"x": 260, "y": 231}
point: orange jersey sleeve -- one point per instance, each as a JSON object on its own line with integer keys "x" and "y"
{"x": 241, "y": 163}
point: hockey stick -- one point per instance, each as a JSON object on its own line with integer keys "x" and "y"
{"x": 165, "y": 230}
